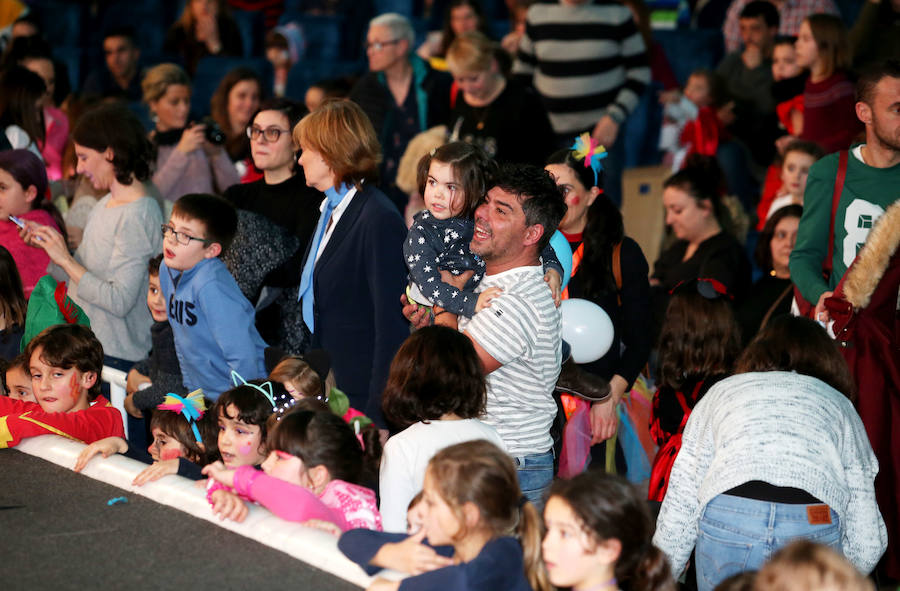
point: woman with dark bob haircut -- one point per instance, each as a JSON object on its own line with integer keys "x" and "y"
{"x": 436, "y": 392}
{"x": 776, "y": 452}
{"x": 107, "y": 275}
{"x": 353, "y": 272}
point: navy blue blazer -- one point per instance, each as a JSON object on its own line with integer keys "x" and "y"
{"x": 357, "y": 284}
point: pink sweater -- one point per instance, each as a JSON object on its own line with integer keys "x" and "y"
{"x": 31, "y": 261}
{"x": 346, "y": 505}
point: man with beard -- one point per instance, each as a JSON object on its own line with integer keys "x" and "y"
{"x": 519, "y": 337}
{"x": 871, "y": 182}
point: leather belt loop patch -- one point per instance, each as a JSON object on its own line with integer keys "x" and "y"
{"x": 818, "y": 514}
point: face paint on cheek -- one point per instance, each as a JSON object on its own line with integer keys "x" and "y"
{"x": 74, "y": 390}
{"x": 170, "y": 454}
{"x": 576, "y": 200}
{"x": 246, "y": 449}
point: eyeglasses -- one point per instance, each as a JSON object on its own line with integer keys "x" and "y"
{"x": 270, "y": 133}
{"x": 379, "y": 45}
{"x": 181, "y": 237}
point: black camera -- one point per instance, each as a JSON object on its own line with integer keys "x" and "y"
{"x": 213, "y": 133}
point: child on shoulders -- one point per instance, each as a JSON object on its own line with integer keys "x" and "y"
{"x": 64, "y": 362}
{"x": 213, "y": 323}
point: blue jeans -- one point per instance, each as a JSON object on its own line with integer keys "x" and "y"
{"x": 535, "y": 476}
{"x": 738, "y": 534}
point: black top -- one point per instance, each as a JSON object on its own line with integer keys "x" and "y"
{"x": 161, "y": 366}
{"x": 100, "y": 83}
{"x": 766, "y": 293}
{"x": 513, "y": 128}
{"x": 721, "y": 258}
{"x": 182, "y": 42}
{"x": 10, "y": 339}
{"x": 630, "y": 320}
{"x": 289, "y": 204}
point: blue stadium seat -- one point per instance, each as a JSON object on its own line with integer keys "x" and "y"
{"x": 143, "y": 15}
{"x": 404, "y": 7}
{"x": 211, "y": 70}
{"x": 61, "y": 22}
{"x": 690, "y": 49}
{"x": 307, "y": 72}
{"x": 321, "y": 32}
{"x": 251, "y": 25}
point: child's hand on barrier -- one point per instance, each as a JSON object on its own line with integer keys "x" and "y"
{"x": 156, "y": 471}
{"x": 325, "y": 526}
{"x": 382, "y": 584}
{"x": 228, "y": 505}
{"x": 106, "y": 447}
{"x": 218, "y": 471}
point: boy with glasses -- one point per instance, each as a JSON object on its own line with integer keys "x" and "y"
{"x": 212, "y": 321}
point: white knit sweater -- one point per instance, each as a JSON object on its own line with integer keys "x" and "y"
{"x": 785, "y": 429}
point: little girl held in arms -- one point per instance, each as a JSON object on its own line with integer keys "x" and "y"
{"x": 311, "y": 474}
{"x": 453, "y": 180}
{"x": 598, "y": 532}
{"x": 482, "y": 534}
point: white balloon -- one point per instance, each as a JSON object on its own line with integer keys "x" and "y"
{"x": 587, "y": 328}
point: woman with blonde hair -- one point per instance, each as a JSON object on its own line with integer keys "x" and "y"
{"x": 186, "y": 161}
{"x": 354, "y": 271}
{"x": 490, "y": 110}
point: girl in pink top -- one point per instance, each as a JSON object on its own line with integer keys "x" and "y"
{"x": 310, "y": 474}
{"x": 23, "y": 195}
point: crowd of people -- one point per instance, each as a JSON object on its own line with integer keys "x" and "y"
{"x": 353, "y": 301}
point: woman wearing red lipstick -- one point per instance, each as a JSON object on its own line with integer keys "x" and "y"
{"x": 595, "y": 231}
{"x": 283, "y": 198}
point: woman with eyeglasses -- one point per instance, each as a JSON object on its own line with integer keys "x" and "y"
{"x": 107, "y": 275}
{"x": 283, "y": 199}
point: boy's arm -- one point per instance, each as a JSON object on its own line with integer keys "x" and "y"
{"x": 26, "y": 419}
{"x": 232, "y": 324}
{"x": 420, "y": 257}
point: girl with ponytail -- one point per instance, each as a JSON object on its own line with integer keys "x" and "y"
{"x": 479, "y": 534}
{"x": 598, "y": 537}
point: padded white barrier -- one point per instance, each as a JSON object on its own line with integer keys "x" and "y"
{"x": 116, "y": 380}
{"x": 313, "y": 546}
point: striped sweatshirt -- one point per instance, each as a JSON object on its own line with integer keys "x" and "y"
{"x": 522, "y": 330}
{"x": 586, "y": 61}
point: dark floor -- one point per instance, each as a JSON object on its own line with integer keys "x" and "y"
{"x": 57, "y": 532}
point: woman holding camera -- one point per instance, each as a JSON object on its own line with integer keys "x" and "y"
{"x": 189, "y": 158}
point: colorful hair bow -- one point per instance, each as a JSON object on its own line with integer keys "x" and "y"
{"x": 588, "y": 148}
{"x": 265, "y": 389}
{"x": 191, "y": 406}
